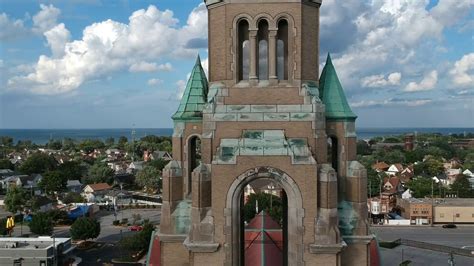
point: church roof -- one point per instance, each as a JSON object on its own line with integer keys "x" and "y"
{"x": 332, "y": 94}
{"x": 194, "y": 96}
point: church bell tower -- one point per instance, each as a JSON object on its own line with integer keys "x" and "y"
{"x": 264, "y": 113}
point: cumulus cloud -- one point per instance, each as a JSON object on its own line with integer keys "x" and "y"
{"x": 391, "y": 102}
{"x": 154, "y": 82}
{"x": 449, "y": 12}
{"x": 428, "y": 83}
{"x": 45, "y": 19}
{"x": 57, "y": 37}
{"x": 150, "y": 67}
{"x": 463, "y": 72}
{"x": 10, "y": 29}
{"x": 385, "y": 36}
{"x": 110, "y": 46}
{"x": 377, "y": 81}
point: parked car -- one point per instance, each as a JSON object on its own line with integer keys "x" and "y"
{"x": 136, "y": 228}
{"x": 449, "y": 226}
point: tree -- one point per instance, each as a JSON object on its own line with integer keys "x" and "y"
{"x": 149, "y": 178}
{"x": 394, "y": 156}
{"x": 41, "y": 224}
{"x": 99, "y": 173}
{"x": 264, "y": 202}
{"x": 52, "y": 182}
{"x": 140, "y": 241}
{"x": 6, "y": 141}
{"x": 54, "y": 144}
{"x": 68, "y": 144}
{"x": 15, "y": 199}
{"x": 90, "y": 145}
{"x": 421, "y": 187}
{"x": 363, "y": 148}
{"x": 109, "y": 142}
{"x": 73, "y": 197}
{"x": 85, "y": 228}
{"x": 6, "y": 164}
{"x": 158, "y": 164}
{"x": 430, "y": 167}
{"x": 38, "y": 163}
{"x": 469, "y": 161}
{"x": 374, "y": 182}
{"x": 71, "y": 170}
{"x": 462, "y": 187}
{"x": 122, "y": 141}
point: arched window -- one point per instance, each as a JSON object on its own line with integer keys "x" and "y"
{"x": 263, "y": 50}
{"x": 194, "y": 159}
{"x": 332, "y": 152}
{"x": 243, "y": 50}
{"x": 282, "y": 50}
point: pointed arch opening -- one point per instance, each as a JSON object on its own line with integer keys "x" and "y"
{"x": 282, "y": 50}
{"x": 333, "y": 152}
{"x": 243, "y": 46}
{"x": 194, "y": 159}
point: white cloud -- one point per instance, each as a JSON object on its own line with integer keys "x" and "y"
{"x": 45, "y": 19}
{"x": 388, "y": 36}
{"x": 428, "y": 83}
{"x": 463, "y": 72}
{"x": 391, "y": 102}
{"x": 109, "y": 46}
{"x": 154, "y": 82}
{"x": 10, "y": 29}
{"x": 449, "y": 12}
{"x": 181, "y": 85}
{"x": 57, "y": 37}
{"x": 376, "y": 81}
{"x": 150, "y": 67}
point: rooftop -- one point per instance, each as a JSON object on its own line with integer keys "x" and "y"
{"x": 42, "y": 242}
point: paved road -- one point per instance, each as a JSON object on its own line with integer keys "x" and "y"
{"x": 459, "y": 237}
{"x": 456, "y": 237}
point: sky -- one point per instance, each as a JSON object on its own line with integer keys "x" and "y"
{"x": 124, "y": 63}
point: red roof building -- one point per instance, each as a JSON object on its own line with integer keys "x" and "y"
{"x": 263, "y": 241}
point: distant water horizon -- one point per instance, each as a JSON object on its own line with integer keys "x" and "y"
{"x": 42, "y": 136}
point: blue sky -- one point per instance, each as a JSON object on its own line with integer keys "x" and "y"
{"x": 114, "y": 64}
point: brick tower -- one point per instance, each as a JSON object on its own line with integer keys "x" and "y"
{"x": 264, "y": 113}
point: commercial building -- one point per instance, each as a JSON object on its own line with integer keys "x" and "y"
{"x": 418, "y": 211}
{"x": 40, "y": 251}
{"x": 454, "y": 210}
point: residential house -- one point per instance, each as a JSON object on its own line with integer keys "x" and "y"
{"x": 394, "y": 169}
{"x": 452, "y": 175}
{"x": 380, "y": 167}
{"x": 135, "y": 166}
{"x": 113, "y": 152}
{"x": 124, "y": 179}
{"x": 161, "y": 155}
{"x": 470, "y": 177}
{"x": 408, "y": 194}
{"x": 392, "y": 185}
{"x": 30, "y": 183}
{"x": 95, "y": 192}
{"x": 118, "y": 197}
{"x": 74, "y": 186}
{"x": 44, "y": 204}
{"x": 407, "y": 174}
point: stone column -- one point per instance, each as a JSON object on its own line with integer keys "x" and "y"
{"x": 272, "y": 56}
{"x": 253, "y": 55}
{"x": 172, "y": 195}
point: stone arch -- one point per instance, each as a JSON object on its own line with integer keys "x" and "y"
{"x": 236, "y": 51}
{"x": 295, "y": 214}
{"x": 290, "y": 43}
{"x": 265, "y": 16}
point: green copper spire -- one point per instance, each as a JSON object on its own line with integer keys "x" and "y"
{"x": 332, "y": 95}
{"x": 194, "y": 97}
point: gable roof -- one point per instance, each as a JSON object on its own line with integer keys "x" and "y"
{"x": 332, "y": 95}
{"x": 99, "y": 186}
{"x": 380, "y": 166}
{"x": 194, "y": 97}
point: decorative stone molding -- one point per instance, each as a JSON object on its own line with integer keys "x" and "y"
{"x": 327, "y": 249}
{"x": 358, "y": 239}
{"x": 295, "y": 214}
